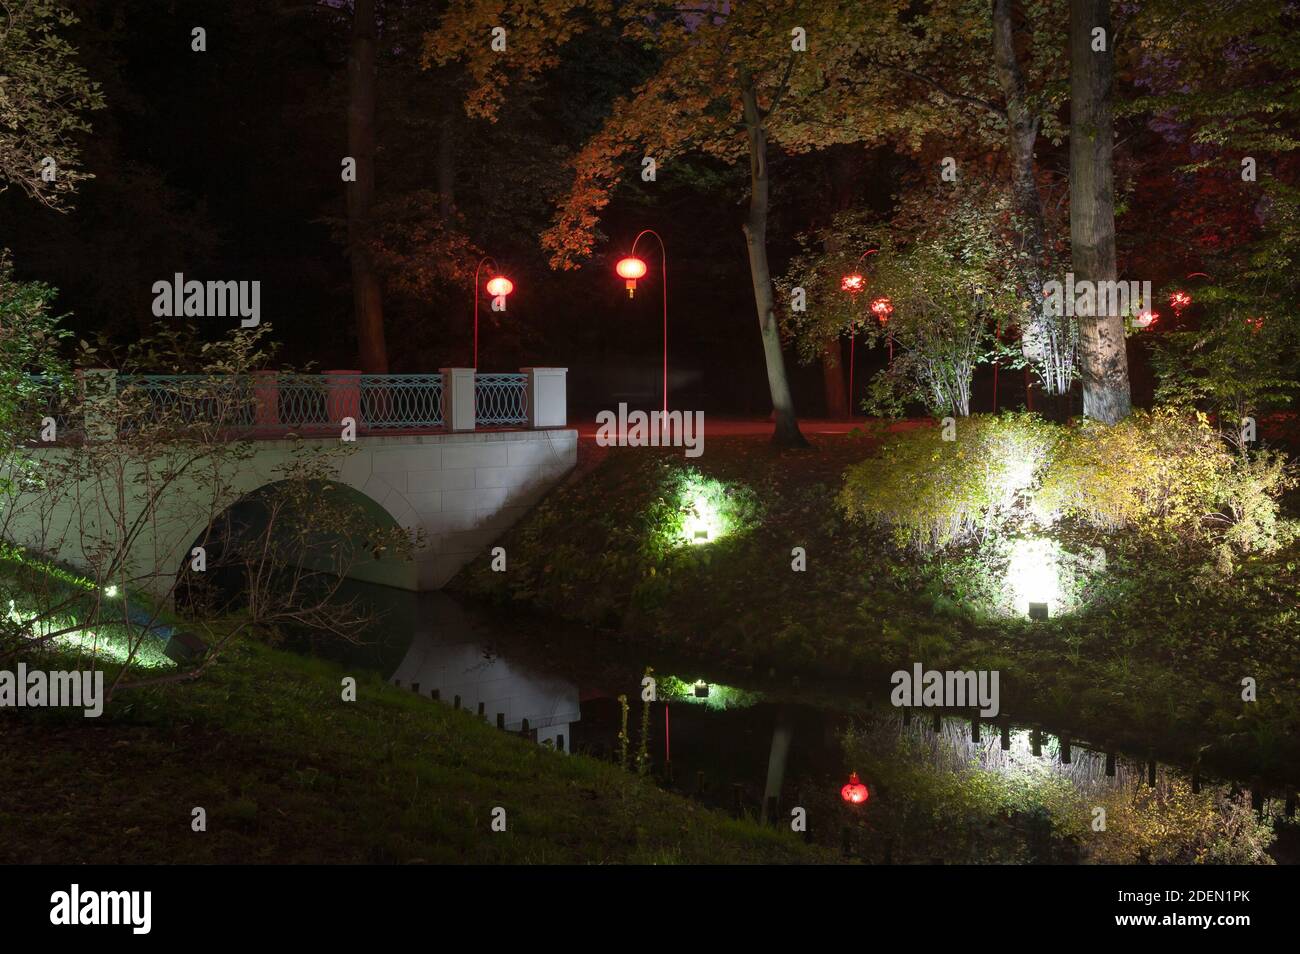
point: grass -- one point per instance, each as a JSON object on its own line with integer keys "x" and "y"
{"x": 1153, "y": 664}
{"x": 288, "y": 772}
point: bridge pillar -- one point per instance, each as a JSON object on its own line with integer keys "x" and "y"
{"x": 100, "y": 386}
{"x": 547, "y": 396}
{"x": 458, "y": 408}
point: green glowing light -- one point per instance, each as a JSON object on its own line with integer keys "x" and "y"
{"x": 701, "y": 519}
{"x": 711, "y": 694}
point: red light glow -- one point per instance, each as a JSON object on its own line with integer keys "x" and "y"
{"x": 630, "y": 268}
{"x": 882, "y": 308}
{"x": 500, "y": 286}
{"x": 853, "y": 283}
{"x": 855, "y": 793}
{"x": 1146, "y": 318}
{"x": 1179, "y": 300}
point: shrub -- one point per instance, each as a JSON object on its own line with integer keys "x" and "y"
{"x": 697, "y": 509}
{"x": 1168, "y": 474}
{"x": 931, "y": 493}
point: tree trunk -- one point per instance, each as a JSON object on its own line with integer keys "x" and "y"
{"x": 367, "y": 300}
{"x": 787, "y": 433}
{"x": 837, "y": 401}
{"x": 1103, "y": 358}
{"x": 1022, "y": 131}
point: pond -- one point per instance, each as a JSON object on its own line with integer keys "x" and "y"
{"x": 939, "y": 786}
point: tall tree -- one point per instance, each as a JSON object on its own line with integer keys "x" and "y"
{"x": 977, "y": 77}
{"x": 367, "y": 297}
{"x": 1047, "y": 341}
{"x": 733, "y": 80}
{"x": 1103, "y": 357}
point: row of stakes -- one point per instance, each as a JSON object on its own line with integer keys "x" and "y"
{"x": 524, "y": 728}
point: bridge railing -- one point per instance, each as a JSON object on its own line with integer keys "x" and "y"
{"x": 268, "y": 404}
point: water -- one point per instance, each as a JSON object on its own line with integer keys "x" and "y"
{"x": 764, "y": 751}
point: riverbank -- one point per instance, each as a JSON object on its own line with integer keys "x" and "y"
{"x": 288, "y": 772}
{"x": 1149, "y": 663}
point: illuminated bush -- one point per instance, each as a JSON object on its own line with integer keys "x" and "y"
{"x": 712, "y": 695}
{"x": 1169, "y": 475}
{"x": 696, "y": 510}
{"x": 931, "y": 493}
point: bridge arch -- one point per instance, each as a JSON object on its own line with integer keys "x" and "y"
{"x": 350, "y": 551}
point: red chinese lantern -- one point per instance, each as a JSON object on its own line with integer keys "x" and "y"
{"x": 500, "y": 286}
{"x": 853, "y": 283}
{"x": 631, "y": 269}
{"x": 1179, "y": 300}
{"x": 1256, "y": 323}
{"x": 855, "y": 793}
{"x": 1146, "y": 318}
{"x": 882, "y": 308}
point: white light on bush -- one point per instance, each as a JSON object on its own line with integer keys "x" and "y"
{"x": 110, "y": 592}
{"x": 1033, "y": 574}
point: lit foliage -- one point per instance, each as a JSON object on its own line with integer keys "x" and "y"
{"x": 697, "y": 510}
{"x": 693, "y": 102}
{"x": 44, "y": 98}
{"x": 30, "y": 335}
{"x": 1241, "y": 362}
{"x": 953, "y": 803}
{"x": 24, "y": 585}
{"x": 420, "y": 253}
{"x": 1171, "y": 825}
{"x": 931, "y": 493}
{"x": 673, "y": 689}
{"x": 1168, "y": 475}
{"x": 937, "y": 293}
{"x": 1164, "y": 475}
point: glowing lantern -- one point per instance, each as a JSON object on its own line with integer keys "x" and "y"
{"x": 855, "y": 793}
{"x": 631, "y": 269}
{"x": 1256, "y": 323}
{"x": 882, "y": 308}
{"x": 1179, "y": 300}
{"x": 500, "y": 286}
{"x": 1146, "y": 318}
{"x": 853, "y": 283}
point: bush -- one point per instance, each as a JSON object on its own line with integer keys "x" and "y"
{"x": 696, "y": 509}
{"x": 932, "y": 493}
{"x": 1167, "y": 474}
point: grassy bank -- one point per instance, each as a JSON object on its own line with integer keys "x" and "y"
{"x": 1149, "y": 662}
{"x": 287, "y": 772}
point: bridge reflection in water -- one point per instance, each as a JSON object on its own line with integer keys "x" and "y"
{"x": 445, "y": 657}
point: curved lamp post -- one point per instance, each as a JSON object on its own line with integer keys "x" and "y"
{"x": 632, "y": 268}
{"x": 853, "y": 283}
{"x": 498, "y": 286}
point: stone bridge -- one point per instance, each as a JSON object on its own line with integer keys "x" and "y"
{"x": 458, "y": 455}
